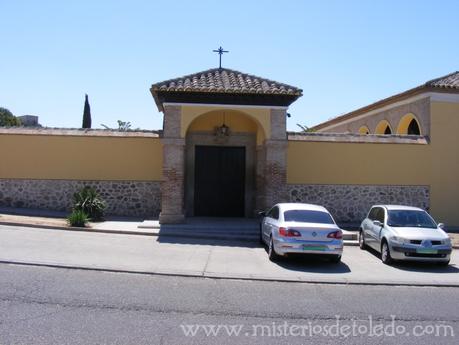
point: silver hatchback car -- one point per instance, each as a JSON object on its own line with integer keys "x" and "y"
{"x": 404, "y": 233}
{"x": 301, "y": 228}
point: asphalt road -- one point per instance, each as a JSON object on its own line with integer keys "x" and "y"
{"x": 40, "y": 305}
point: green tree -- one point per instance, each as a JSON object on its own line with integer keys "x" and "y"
{"x": 123, "y": 126}
{"x": 7, "y": 119}
{"x": 86, "y": 113}
{"x": 305, "y": 129}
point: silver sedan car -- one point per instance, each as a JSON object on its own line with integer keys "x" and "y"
{"x": 404, "y": 233}
{"x": 301, "y": 228}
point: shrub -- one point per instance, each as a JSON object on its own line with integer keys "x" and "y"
{"x": 89, "y": 201}
{"x": 78, "y": 218}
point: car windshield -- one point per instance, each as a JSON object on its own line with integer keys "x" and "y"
{"x": 308, "y": 216}
{"x": 410, "y": 218}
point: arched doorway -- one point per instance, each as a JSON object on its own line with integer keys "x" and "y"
{"x": 220, "y": 164}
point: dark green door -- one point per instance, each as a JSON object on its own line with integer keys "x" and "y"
{"x": 219, "y": 185}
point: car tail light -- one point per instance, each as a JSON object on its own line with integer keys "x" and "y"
{"x": 336, "y": 234}
{"x": 289, "y": 232}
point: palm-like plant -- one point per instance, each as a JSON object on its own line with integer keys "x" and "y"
{"x": 89, "y": 201}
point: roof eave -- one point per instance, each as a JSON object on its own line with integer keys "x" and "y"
{"x": 287, "y": 98}
{"x": 157, "y": 101}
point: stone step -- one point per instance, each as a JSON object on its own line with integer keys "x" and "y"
{"x": 216, "y": 226}
{"x": 351, "y": 242}
{"x": 246, "y": 230}
{"x": 233, "y": 237}
{"x": 349, "y": 235}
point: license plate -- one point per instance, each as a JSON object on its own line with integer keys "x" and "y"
{"x": 426, "y": 251}
{"x": 312, "y": 247}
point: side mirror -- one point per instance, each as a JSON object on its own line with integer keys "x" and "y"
{"x": 262, "y": 214}
{"x": 378, "y": 223}
{"x": 441, "y": 226}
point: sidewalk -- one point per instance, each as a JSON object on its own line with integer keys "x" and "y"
{"x": 169, "y": 255}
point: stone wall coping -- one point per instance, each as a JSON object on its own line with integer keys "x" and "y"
{"x": 293, "y": 184}
{"x": 358, "y": 138}
{"x": 96, "y": 132}
{"x": 292, "y": 136}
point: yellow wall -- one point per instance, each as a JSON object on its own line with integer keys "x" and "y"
{"x": 260, "y": 116}
{"x": 357, "y": 163}
{"x": 444, "y": 133}
{"x": 435, "y": 165}
{"x": 131, "y": 158}
{"x": 80, "y": 157}
{"x": 236, "y": 121}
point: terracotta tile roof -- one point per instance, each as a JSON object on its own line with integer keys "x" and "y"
{"x": 224, "y": 80}
{"x": 450, "y": 81}
{"x": 447, "y": 83}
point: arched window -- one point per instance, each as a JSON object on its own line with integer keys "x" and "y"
{"x": 383, "y": 127}
{"x": 409, "y": 125}
{"x": 413, "y": 128}
{"x": 364, "y": 130}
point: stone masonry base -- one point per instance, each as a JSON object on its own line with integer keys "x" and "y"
{"x": 124, "y": 198}
{"x": 351, "y": 203}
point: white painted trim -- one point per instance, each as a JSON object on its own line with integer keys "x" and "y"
{"x": 225, "y": 105}
{"x": 358, "y": 138}
{"x": 444, "y": 97}
{"x": 372, "y": 112}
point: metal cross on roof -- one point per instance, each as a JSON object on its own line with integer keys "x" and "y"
{"x": 220, "y": 52}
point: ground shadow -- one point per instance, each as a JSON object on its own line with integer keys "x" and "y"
{"x": 33, "y": 212}
{"x": 170, "y": 238}
{"x": 309, "y": 263}
{"x": 227, "y": 232}
{"x": 127, "y": 219}
{"x": 418, "y": 266}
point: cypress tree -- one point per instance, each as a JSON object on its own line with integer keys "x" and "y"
{"x": 86, "y": 114}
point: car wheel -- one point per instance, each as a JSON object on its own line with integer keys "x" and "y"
{"x": 385, "y": 253}
{"x": 272, "y": 255}
{"x": 336, "y": 259}
{"x": 362, "y": 243}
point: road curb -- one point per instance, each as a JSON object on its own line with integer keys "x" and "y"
{"x": 211, "y": 275}
{"x": 72, "y": 228}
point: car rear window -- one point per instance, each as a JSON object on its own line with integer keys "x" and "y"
{"x": 308, "y": 216}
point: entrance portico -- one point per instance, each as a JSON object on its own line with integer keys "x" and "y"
{"x": 226, "y": 123}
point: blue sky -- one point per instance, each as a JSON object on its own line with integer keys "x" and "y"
{"x": 343, "y": 54}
